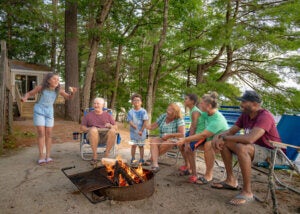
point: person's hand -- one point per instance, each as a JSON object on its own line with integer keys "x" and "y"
{"x": 218, "y": 144}
{"x": 108, "y": 125}
{"x": 215, "y": 138}
{"x": 72, "y": 90}
{"x": 165, "y": 137}
{"x": 140, "y": 133}
{"x": 134, "y": 126}
{"x": 180, "y": 142}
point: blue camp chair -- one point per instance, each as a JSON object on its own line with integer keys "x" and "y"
{"x": 85, "y": 147}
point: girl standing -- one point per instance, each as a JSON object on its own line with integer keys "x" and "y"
{"x": 43, "y": 114}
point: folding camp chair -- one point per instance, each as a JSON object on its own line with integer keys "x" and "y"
{"x": 288, "y": 128}
{"x": 85, "y": 147}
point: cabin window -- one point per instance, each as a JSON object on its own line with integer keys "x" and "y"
{"x": 25, "y": 83}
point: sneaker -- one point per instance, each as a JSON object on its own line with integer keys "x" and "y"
{"x": 141, "y": 161}
{"x": 132, "y": 160}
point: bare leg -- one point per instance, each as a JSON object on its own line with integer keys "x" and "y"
{"x": 41, "y": 141}
{"x": 141, "y": 152}
{"x": 185, "y": 155}
{"x": 154, "y": 148}
{"x": 191, "y": 155}
{"x": 133, "y": 148}
{"x": 48, "y": 141}
{"x": 164, "y": 148}
{"x": 227, "y": 159}
{"x": 94, "y": 139}
{"x": 111, "y": 139}
{"x": 245, "y": 153}
{"x": 209, "y": 156}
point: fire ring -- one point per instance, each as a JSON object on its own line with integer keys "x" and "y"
{"x": 98, "y": 184}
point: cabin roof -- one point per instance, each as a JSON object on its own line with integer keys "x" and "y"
{"x": 21, "y": 65}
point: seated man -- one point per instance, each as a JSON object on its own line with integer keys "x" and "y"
{"x": 253, "y": 146}
{"x": 99, "y": 123}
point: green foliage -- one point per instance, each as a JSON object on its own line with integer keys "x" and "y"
{"x": 261, "y": 47}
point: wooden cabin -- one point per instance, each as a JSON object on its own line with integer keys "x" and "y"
{"x": 24, "y": 77}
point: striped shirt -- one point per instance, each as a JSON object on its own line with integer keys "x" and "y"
{"x": 167, "y": 128}
{"x": 97, "y": 120}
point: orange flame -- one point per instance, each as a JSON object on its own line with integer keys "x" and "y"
{"x": 122, "y": 181}
{"x": 133, "y": 174}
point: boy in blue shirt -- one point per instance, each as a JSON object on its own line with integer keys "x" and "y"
{"x": 137, "y": 118}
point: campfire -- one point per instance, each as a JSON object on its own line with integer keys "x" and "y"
{"x": 123, "y": 175}
{"x": 115, "y": 181}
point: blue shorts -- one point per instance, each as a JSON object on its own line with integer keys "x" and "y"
{"x": 195, "y": 144}
{"x": 43, "y": 115}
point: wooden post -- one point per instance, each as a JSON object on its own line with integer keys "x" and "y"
{"x": 272, "y": 182}
{"x": 2, "y": 92}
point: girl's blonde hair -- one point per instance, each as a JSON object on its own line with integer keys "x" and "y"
{"x": 176, "y": 109}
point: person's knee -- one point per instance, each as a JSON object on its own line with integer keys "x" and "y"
{"x": 153, "y": 145}
{"x": 207, "y": 147}
{"x": 93, "y": 131}
{"x": 241, "y": 149}
{"x": 111, "y": 132}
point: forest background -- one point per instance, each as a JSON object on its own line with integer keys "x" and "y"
{"x": 161, "y": 49}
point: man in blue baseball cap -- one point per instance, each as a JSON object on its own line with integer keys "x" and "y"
{"x": 254, "y": 146}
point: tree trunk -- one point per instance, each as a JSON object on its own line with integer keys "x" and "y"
{"x": 72, "y": 110}
{"x": 117, "y": 73}
{"x": 93, "y": 54}
{"x": 202, "y": 68}
{"x": 155, "y": 56}
{"x": 230, "y": 21}
{"x": 53, "y": 36}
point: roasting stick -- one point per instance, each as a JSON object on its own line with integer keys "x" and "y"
{"x": 173, "y": 142}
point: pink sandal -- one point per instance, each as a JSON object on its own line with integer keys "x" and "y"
{"x": 183, "y": 168}
{"x": 193, "y": 179}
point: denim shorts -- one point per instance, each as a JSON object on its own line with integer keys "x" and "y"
{"x": 43, "y": 115}
{"x": 195, "y": 144}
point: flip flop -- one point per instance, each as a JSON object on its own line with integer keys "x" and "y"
{"x": 155, "y": 169}
{"x": 93, "y": 162}
{"x": 49, "y": 160}
{"x": 202, "y": 181}
{"x": 241, "y": 200}
{"x": 223, "y": 185}
{"x": 42, "y": 162}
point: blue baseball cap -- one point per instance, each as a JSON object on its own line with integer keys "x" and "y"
{"x": 251, "y": 96}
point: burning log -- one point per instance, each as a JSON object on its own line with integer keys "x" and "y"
{"x": 120, "y": 171}
{"x": 138, "y": 175}
{"x": 122, "y": 175}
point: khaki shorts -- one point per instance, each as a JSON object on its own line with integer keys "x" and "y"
{"x": 263, "y": 154}
{"x": 102, "y": 136}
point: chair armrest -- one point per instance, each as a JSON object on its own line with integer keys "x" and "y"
{"x": 283, "y": 145}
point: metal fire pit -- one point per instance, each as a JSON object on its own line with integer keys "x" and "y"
{"x": 96, "y": 187}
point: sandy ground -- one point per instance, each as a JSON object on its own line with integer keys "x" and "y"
{"x": 26, "y": 187}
